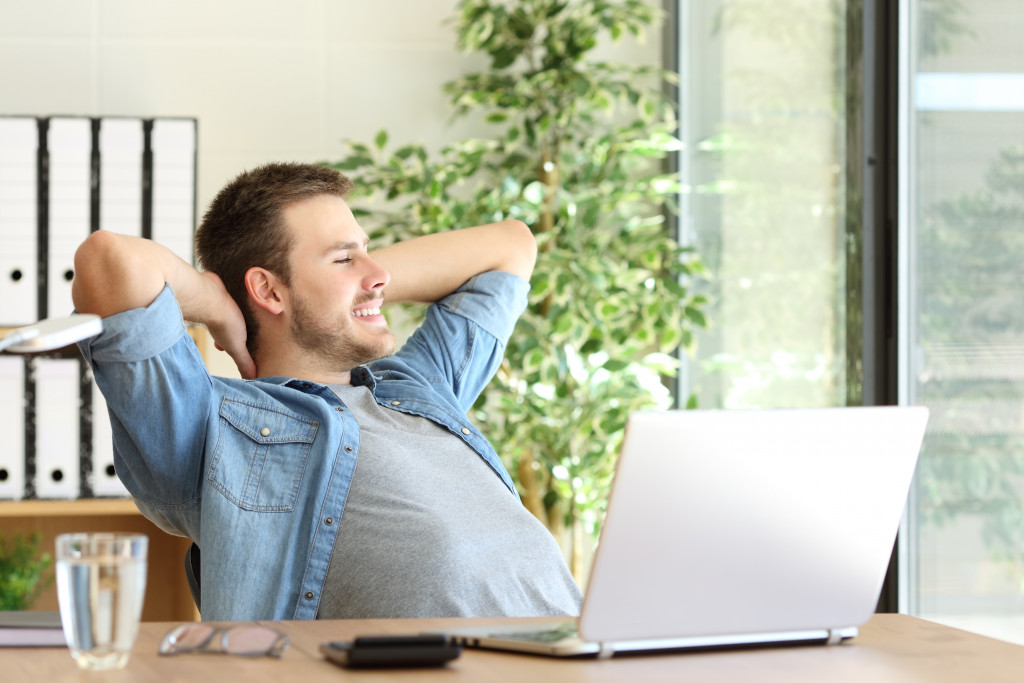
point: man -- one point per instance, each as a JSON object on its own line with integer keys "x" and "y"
{"x": 337, "y": 479}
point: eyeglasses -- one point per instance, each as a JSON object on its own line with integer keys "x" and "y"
{"x": 245, "y": 640}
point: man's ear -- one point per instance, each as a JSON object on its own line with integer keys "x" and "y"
{"x": 266, "y": 290}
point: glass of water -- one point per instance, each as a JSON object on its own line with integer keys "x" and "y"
{"x": 101, "y": 582}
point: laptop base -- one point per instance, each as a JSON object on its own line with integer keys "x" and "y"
{"x": 561, "y": 640}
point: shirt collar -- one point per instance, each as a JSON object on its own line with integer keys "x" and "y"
{"x": 360, "y": 376}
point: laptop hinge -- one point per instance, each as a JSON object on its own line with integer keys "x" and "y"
{"x": 605, "y": 651}
{"x": 835, "y": 636}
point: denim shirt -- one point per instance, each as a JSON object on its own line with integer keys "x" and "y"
{"x": 257, "y": 472}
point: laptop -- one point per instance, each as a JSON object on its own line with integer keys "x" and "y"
{"x": 730, "y": 529}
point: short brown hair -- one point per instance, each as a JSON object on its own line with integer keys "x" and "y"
{"x": 243, "y": 228}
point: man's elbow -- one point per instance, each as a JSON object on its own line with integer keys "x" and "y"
{"x": 103, "y": 264}
{"x": 522, "y": 256}
{"x": 92, "y": 259}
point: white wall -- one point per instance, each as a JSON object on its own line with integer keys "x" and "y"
{"x": 267, "y": 79}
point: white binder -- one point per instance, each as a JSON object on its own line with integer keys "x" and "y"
{"x": 57, "y": 416}
{"x": 124, "y": 166}
{"x": 122, "y": 143}
{"x": 12, "y": 418}
{"x": 105, "y": 483}
{"x": 19, "y": 149}
{"x": 69, "y": 143}
{"x": 173, "y": 142}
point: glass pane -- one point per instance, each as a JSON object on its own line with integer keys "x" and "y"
{"x": 964, "y": 325}
{"x": 763, "y": 118}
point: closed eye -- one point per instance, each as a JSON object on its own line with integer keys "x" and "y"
{"x": 352, "y": 249}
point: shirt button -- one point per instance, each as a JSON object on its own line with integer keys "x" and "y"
{"x": 329, "y": 521}
{"x": 340, "y": 410}
{"x": 465, "y": 430}
{"x": 348, "y": 449}
{"x": 309, "y": 595}
{"x": 265, "y": 431}
{"x": 396, "y": 403}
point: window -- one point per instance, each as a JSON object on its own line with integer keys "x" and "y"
{"x": 855, "y": 184}
{"x": 763, "y": 117}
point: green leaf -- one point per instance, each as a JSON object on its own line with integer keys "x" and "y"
{"x": 533, "y": 359}
{"x": 405, "y": 152}
{"x": 504, "y": 58}
{"x": 670, "y": 339}
{"x": 696, "y": 316}
{"x": 354, "y": 162}
{"x": 540, "y": 285}
{"x": 563, "y": 324}
{"x": 615, "y": 365}
{"x": 381, "y": 140}
{"x": 609, "y": 309}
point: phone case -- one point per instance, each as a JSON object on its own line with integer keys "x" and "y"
{"x": 391, "y": 651}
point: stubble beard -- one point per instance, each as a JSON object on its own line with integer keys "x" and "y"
{"x": 337, "y": 343}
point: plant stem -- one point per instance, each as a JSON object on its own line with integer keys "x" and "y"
{"x": 531, "y": 487}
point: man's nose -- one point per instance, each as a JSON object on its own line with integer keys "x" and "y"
{"x": 376, "y": 276}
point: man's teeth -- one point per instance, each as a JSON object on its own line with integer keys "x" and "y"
{"x": 363, "y": 312}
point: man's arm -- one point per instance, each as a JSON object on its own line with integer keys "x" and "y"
{"x": 429, "y": 268}
{"x": 116, "y": 273}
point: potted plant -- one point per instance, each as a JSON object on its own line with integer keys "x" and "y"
{"x": 22, "y": 572}
{"x": 578, "y": 153}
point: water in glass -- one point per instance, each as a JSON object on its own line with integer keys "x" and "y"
{"x": 101, "y": 599}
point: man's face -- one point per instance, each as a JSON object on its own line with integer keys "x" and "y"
{"x": 336, "y": 289}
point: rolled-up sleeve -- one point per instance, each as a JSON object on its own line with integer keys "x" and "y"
{"x": 493, "y": 300}
{"x": 463, "y": 337}
{"x": 137, "y": 334}
{"x": 159, "y": 395}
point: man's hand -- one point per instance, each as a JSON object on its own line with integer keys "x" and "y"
{"x": 116, "y": 273}
{"x": 228, "y": 329}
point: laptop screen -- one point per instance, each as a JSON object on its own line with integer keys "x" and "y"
{"x": 730, "y": 522}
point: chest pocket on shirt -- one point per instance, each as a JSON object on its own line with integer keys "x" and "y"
{"x": 261, "y": 455}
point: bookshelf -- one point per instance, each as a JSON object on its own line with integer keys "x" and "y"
{"x": 167, "y": 594}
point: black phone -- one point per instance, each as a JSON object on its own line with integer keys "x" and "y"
{"x": 391, "y": 651}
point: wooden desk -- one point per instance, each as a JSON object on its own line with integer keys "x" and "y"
{"x": 890, "y": 647}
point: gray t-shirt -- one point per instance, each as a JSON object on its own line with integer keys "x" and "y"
{"x": 429, "y": 530}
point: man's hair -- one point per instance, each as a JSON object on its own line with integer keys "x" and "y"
{"x": 244, "y": 228}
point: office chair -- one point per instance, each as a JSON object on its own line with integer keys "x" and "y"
{"x": 192, "y": 573}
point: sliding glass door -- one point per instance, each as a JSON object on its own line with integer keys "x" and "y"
{"x": 962, "y": 218}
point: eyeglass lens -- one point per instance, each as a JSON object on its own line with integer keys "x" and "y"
{"x": 250, "y": 640}
{"x": 235, "y": 640}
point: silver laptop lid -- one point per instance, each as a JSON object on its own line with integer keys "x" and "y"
{"x": 732, "y": 522}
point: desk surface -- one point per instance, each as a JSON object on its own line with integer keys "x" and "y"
{"x": 890, "y": 647}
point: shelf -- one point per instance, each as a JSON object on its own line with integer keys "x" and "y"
{"x": 167, "y": 594}
{"x": 65, "y": 508}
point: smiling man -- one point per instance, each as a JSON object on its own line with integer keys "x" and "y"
{"x": 339, "y": 478}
